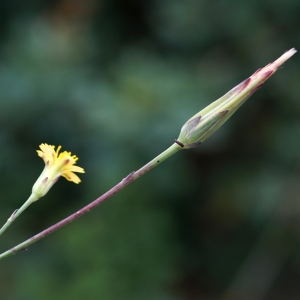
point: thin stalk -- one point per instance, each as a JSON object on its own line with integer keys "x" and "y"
{"x": 17, "y": 212}
{"x": 123, "y": 183}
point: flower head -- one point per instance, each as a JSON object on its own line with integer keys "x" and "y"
{"x": 56, "y": 165}
{"x": 202, "y": 125}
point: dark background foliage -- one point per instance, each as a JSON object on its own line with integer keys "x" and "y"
{"x": 113, "y": 82}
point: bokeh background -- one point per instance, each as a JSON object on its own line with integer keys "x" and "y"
{"x": 113, "y": 82}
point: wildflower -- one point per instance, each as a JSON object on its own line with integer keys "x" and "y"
{"x": 202, "y": 125}
{"x": 56, "y": 165}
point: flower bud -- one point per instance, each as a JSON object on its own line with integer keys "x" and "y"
{"x": 202, "y": 125}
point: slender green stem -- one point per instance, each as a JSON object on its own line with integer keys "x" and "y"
{"x": 16, "y": 213}
{"x": 124, "y": 182}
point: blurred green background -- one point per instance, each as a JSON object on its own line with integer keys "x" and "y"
{"x": 113, "y": 82}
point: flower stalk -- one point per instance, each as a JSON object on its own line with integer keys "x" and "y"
{"x": 17, "y": 213}
{"x": 56, "y": 165}
{"x": 196, "y": 130}
{"x": 123, "y": 183}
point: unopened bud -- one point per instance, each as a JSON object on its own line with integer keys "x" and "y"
{"x": 202, "y": 125}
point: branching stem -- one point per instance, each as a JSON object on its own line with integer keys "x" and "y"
{"x": 123, "y": 183}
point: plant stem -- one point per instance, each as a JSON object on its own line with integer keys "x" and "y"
{"x": 123, "y": 183}
{"x": 17, "y": 212}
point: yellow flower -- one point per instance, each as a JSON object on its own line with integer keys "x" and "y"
{"x": 56, "y": 165}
